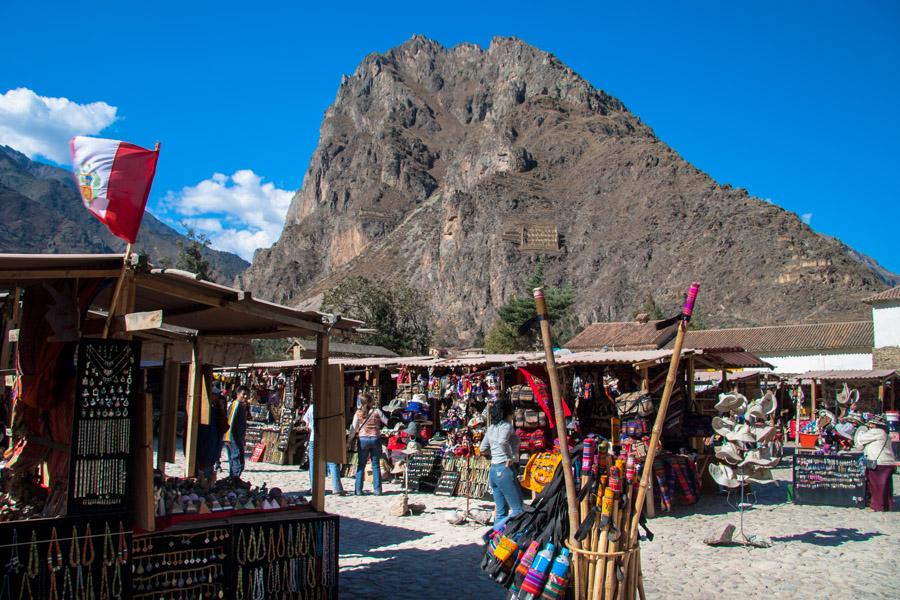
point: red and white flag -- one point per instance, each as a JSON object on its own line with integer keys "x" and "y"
{"x": 114, "y": 179}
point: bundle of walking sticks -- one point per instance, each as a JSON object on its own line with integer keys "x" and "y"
{"x": 607, "y": 562}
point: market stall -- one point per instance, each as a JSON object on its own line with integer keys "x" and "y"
{"x": 79, "y": 484}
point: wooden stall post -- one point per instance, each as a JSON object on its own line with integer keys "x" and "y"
{"x": 320, "y": 389}
{"x": 559, "y": 416}
{"x": 168, "y": 413}
{"x": 142, "y": 491}
{"x": 881, "y": 394}
{"x": 812, "y": 410}
{"x": 6, "y": 344}
{"x": 194, "y": 399}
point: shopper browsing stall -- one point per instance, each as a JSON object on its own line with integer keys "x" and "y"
{"x": 880, "y": 462}
{"x": 502, "y": 443}
{"x": 367, "y": 424}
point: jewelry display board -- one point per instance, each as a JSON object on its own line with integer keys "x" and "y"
{"x": 423, "y": 471}
{"x": 85, "y": 557}
{"x": 829, "y": 480}
{"x": 193, "y": 563}
{"x": 100, "y": 465}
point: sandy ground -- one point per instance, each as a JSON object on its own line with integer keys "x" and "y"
{"x": 817, "y": 552}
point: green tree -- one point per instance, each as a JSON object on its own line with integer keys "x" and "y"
{"x": 190, "y": 254}
{"x": 271, "y": 350}
{"x": 517, "y": 329}
{"x": 400, "y": 315}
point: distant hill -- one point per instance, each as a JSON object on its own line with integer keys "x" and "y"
{"x": 41, "y": 211}
{"x": 456, "y": 169}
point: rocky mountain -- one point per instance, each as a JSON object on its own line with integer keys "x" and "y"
{"x": 457, "y": 169}
{"x": 41, "y": 211}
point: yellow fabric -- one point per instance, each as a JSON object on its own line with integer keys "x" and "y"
{"x": 540, "y": 469}
{"x": 231, "y": 410}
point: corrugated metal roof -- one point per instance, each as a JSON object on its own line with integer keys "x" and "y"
{"x": 732, "y": 358}
{"x": 817, "y": 336}
{"x": 716, "y": 376}
{"x": 891, "y": 294}
{"x": 611, "y": 357}
{"x": 630, "y": 335}
{"x": 848, "y": 375}
{"x": 345, "y": 348}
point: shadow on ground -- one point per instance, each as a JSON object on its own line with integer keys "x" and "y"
{"x": 829, "y": 537}
{"x": 409, "y": 573}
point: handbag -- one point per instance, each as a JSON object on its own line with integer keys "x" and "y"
{"x": 633, "y": 404}
{"x": 353, "y": 437}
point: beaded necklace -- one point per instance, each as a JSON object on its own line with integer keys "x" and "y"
{"x": 54, "y": 541}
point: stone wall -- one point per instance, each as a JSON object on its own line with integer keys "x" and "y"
{"x": 886, "y": 358}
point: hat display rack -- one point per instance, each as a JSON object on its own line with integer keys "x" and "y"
{"x": 746, "y": 455}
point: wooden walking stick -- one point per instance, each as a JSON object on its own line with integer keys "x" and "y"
{"x": 559, "y": 415}
{"x": 686, "y": 313}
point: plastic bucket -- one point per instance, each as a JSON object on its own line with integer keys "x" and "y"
{"x": 893, "y": 419}
{"x": 808, "y": 440}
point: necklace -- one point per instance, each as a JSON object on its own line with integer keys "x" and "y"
{"x": 14, "y": 565}
{"x": 122, "y": 553}
{"x": 240, "y": 552}
{"x": 88, "y": 547}
{"x": 74, "y": 549}
{"x": 104, "y": 585}
{"x": 271, "y": 554}
{"x": 109, "y": 556}
{"x": 67, "y": 584}
{"x": 33, "y": 568}
{"x": 290, "y": 541}
{"x": 54, "y": 541}
{"x": 280, "y": 549}
{"x": 26, "y": 584}
{"x": 239, "y": 587}
{"x": 117, "y": 582}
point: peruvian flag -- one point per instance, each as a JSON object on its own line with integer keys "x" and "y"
{"x": 114, "y": 179}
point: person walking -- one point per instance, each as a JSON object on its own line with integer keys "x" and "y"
{"x": 210, "y": 437}
{"x": 880, "y": 462}
{"x": 237, "y": 428}
{"x": 502, "y": 444}
{"x": 331, "y": 469}
{"x": 367, "y": 423}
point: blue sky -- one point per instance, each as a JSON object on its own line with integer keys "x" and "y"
{"x": 797, "y": 102}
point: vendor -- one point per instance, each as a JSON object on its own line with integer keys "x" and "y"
{"x": 880, "y": 462}
{"x": 502, "y": 443}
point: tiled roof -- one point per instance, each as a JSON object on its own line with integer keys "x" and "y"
{"x": 629, "y": 335}
{"x": 818, "y": 336}
{"x": 891, "y": 294}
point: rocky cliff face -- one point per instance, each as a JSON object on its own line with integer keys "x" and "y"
{"x": 457, "y": 169}
{"x": 41, "y": 211}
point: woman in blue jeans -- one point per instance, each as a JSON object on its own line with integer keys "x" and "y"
{"x": 367, "y": 423}
{"x": 502, "y": 443}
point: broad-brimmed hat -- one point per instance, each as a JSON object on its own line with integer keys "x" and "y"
{"x": 727, "y": 402}
{"x": 843, "y": 397}
{"x": 764, "y": 433}
{"x": 411, "y": 448}
{"x": 826, "y": 418}
{"x": 723, "y": 475}
{"x": 759, "y": 457}
{"x": 722, "y": 425}
{"x": 754, "y": 474}
{"x": 729, "y": 452}
{"x": 754, "y": 413}
{"x": 845, "y": 430}
{"x": 768, "y": 403}
{"x": 741, "y": 433}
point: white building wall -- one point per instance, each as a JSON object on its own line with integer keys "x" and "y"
{"x": 886, "y": 321}
{"x": 818, "y": 361}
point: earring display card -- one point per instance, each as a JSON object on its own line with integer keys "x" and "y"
{"x": 100, "y": 465}
{"x": 830, "y": 480}
{"x": 192, "y": 563}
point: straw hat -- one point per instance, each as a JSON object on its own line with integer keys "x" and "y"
{"x": 723, "y": 475}
{"x": 826, "y": 418}
{"x": 722, "y": 426}
{"x": 755, "y": 413}
{"x": 729, "y": 452}
{"x": 754, "y": 474}
{"x": 768, "y": 403}
{"x": 741, "y": 433}
{"x": 843, "y": 397}
{"x": 411, "y": 448}
{"x": 764, "y": 433}
{"x": 759, "y": 458}
{"x": 727, "y": 402}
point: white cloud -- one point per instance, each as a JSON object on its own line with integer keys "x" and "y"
{"x": 239, "y": 213}
{"x": 38, "y": 125}
{"x": 806, "y": 218}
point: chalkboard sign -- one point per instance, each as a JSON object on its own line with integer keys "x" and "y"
{"x": 446, "y": 485}
{"x": 423, "y": 471}
{"x": 830, "y": 480}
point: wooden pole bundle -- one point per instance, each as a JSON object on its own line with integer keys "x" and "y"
{"x": 612, "y": 570}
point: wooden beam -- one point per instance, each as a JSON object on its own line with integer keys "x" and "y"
{"x": 249, "y": 308}
{"x": 15, "y": 275}
{"x": 195, "y": 386}
{"x": 139, "y": 321}
{"x": 142, "y": 480}
{"x": 185, "y": 290}
{"x": 320, "y": 389}
{"x": 812, "y": 413}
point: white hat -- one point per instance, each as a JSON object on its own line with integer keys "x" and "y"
{"x": 754, "y": 474}
{"x": 412, "y": 448}
{"x": 768, "y": 403}
{"x": 754, "y": 413}
{"x": 722, "y": 425}
{"x": 723, "y": 475}
{"x": 845, "y": 430}
{"x": 826, "y": 418}
{"x": 729, "y": 452}
{"x": 741, "y": 433}
{"x": 764, "y": 433}
{"x": 843, "y": 397}
{"x": 759, "y": 457}
{"x": 727, "y": 402}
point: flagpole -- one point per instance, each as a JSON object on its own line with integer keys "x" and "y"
{"x": 117, "y": 291}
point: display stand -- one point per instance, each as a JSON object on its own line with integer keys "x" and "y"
{"x": 836, "y": 480}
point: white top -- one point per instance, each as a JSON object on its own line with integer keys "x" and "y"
{"x": 876, "y": 445}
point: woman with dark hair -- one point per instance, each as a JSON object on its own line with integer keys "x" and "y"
{"x": 880, "y": 461}
{"x": 502, "y": 444}
{"x": 367, "y": 423}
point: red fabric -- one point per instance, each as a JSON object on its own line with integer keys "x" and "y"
{"x": 536, "y": 378}
{"x": 881, "y": 487}
{"x": 129, "y": 186}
